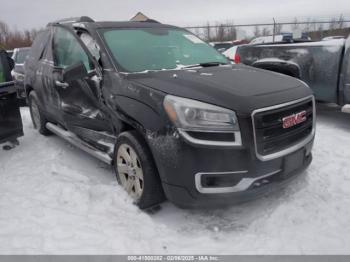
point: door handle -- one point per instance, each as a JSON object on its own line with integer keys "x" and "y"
{"x": 64, "y": 85}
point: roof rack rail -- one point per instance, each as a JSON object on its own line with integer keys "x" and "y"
{"x": 73, "y": 20}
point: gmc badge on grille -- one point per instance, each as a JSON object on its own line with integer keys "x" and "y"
{"x": 294, "y": 119}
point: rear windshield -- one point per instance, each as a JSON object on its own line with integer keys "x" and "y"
{"x": 137, "y": 50}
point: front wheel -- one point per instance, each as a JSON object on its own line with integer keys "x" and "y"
{"x": 136, "y": 171}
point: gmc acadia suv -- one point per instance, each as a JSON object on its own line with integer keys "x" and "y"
{"x": 173, "y": 116}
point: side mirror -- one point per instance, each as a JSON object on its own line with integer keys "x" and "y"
{"x": 74, "y": 72}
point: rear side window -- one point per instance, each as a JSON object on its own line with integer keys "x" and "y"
{"x": 39, "y": 45}
{"x": 68, "y": 51}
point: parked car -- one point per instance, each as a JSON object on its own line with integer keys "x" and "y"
{"x": 221, "y": 46}
{"x": 19, "y": 56}
{"x": 10, "y": 117}
{"x": 280, "y": 38}
{"x": 231, "y": 54}
{"x": 323, "y": 65}
{"x": 333, "y": 37}
{"x": 172, "y": 115}
{"x": 9, "y": 53}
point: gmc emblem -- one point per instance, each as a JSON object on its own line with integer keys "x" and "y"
{"x": 294, "y": 119}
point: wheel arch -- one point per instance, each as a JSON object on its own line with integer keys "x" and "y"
{"x": 283, "y": 67}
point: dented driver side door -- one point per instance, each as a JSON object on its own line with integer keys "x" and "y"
{"x": 79, "y": 99}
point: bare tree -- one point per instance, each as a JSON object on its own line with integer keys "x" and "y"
{"x": 320, "y": 27}
{"x": 4, "y": 32}
{"x": 307, "y": 25}
{"x": 295, "y": 25}
{"x": 313, "y": 26}
{"x": 257, "y": 32}
{"x": 197, "y": 32}
{"x": 332, "y": 24}
{"x": 220, "y": 32}
{"x": 278, "y": 29}
{"x": 341, "y": 22}
{"x": 207, "y": 32}
{"x": 265, "y": 31}
{"x": 231, "y": 32}
{"x": 10, "y": 39}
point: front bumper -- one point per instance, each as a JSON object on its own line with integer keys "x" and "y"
{"x": 186, "y": 198}
{"x": 268, "y": 155}
{"x": 182, "y": 165}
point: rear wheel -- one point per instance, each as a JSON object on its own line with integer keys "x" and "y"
{"x": 38, "y": 118}
{"x": 136, "y": 171}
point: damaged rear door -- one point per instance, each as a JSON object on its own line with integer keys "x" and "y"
{"x": 77, "y": 81}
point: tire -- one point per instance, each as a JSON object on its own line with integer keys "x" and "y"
{"x": 38, "y": 118}
{"x": 136, "y": 171}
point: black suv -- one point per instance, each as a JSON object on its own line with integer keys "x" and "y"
{"x": 171, "y": 114}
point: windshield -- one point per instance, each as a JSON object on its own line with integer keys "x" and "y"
{"x": 138, "y": 50}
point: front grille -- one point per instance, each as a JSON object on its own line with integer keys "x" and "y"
{"x": 271, "y": 137}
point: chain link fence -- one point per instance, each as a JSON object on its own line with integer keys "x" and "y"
{"x": 316, "y": 30}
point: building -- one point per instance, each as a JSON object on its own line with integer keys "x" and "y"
{"x": 140, "y": 17}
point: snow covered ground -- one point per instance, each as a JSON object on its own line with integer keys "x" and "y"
{"x": 55, "y": 199}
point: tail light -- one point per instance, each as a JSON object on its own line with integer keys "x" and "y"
{"x": 237, "y": 58}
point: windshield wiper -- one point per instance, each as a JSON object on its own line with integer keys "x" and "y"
{"x": 207, "y": 64}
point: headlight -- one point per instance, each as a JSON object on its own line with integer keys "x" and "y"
{"x": 190, "y": 114}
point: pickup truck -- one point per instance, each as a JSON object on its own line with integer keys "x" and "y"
{"x": 171, "y": 114}
{"x": 323, "y": 65}
{"x": 10, "y": 117}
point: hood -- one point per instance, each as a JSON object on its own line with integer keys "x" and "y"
{"x": 237, "y": 87}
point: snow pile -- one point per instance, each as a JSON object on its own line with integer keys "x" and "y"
{"x": 55, "y": 199}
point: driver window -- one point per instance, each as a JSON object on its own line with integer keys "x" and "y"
{"x": 68, "y": 51}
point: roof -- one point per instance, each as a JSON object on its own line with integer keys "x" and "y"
{"x": 88, "y": 22}
{"x": 130, "y": 24}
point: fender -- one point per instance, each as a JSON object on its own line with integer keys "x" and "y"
{"x": 289, "y": 68}
{"x": 138, "y": 114}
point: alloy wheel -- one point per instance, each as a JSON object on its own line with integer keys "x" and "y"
{"x": 130, "y": 171}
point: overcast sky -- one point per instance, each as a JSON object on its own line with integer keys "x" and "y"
{"x": 26, "y": 14}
